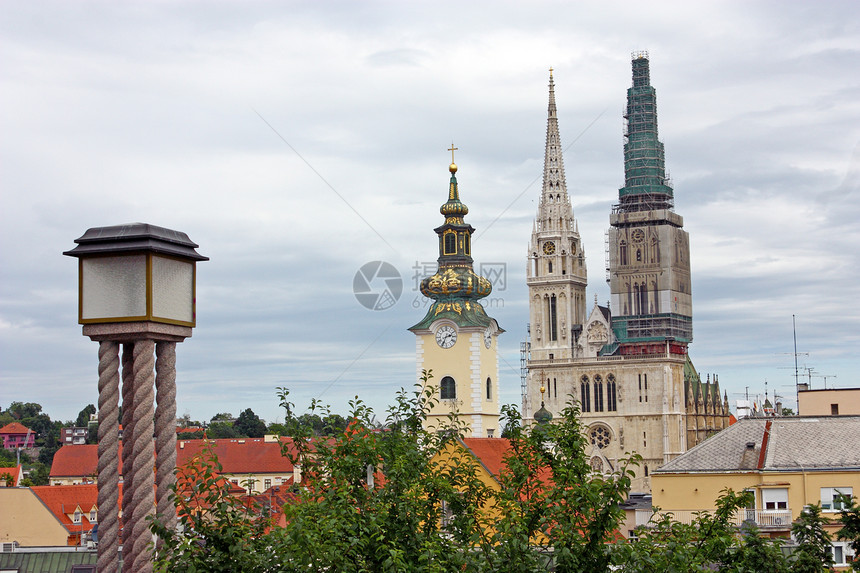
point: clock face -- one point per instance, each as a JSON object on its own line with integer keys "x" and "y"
{"x": 548, "y": 248}
{"x": 488, "y": 338}
{"x": 446, "y": 336}
{"x": 638, "y": 235}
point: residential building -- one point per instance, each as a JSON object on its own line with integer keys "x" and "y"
{"x": 15, "y": 435}
{"x": 626, "y": 364}
{"x": 829, "y": 402}
{"x": 787, "y": 462}
{"x": 456, "y": 339}
{"x": 42, "y": 516}
{"x": 74, "y": 435}
{"x": 256, "y": 464}
{"x": 11, "y": 477}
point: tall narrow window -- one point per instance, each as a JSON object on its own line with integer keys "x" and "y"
{"x": 549, "y": 269}
{"x": 553, "y": 323}
{"x": 450, "y": 243}
{"x": 555, "y": 388}
{"x": 640, "y": 387}
{"x": 467, "y": 241}
{"x": 489, "y": 388}
{"x": 643, "y": 298}
{"x": 611, "y": 404}
{"x": 645, "y": 376}
{"x": 598, "y": 394}
{"x": 448, "y": 389}
{"x": 585, "y": 394}
{"x": 622, "y": 252}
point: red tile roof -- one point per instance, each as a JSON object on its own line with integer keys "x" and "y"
{"x": 16, "y": 473}
{"x": 78, "y": 461}
{"x": 62, "y": 500}
{"x": 490, "y": 452}
{"x": 237, "y": 456}
{"x": 240, "y": 455}
{"x": 14, "y": 428}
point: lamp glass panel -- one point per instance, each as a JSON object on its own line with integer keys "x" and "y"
{"x": 172, "y": 289}
{"x": 113, "y": 287}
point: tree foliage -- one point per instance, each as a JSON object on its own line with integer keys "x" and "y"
{"x": 849, "y": 516}
{"x": 83, "y": 418}
{"x": 396, "y": 497}
{"x": 249, "y": 424}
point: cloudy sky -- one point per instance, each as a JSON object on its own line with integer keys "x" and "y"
{"x": 296, "y": 141}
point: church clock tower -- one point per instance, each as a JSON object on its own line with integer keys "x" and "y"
{"x": 556, "y": 277}
{"x": 456, "y": 339}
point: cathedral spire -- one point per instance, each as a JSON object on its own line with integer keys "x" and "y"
{"x": 554, "y": 185}
{"x": 646, "y": 185}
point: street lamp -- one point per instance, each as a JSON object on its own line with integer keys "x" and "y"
{"x": 136, "y": 287}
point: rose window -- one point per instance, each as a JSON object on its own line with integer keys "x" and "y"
{"x": 600, "y": 437}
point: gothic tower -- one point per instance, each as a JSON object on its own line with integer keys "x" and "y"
{"x": 626, "y": 366}
{"x": 555, "y": 275}
{"x": 649, "y": 253}
{"x": 456, "y": 339}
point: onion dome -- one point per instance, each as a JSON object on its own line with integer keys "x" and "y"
{"x": 542, "y": 416}
{"x": 455, "y": 288}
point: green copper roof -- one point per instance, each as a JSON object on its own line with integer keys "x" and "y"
{"x": 455, "y": 288}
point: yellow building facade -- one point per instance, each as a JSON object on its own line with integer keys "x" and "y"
{"x": 787, "y": 462}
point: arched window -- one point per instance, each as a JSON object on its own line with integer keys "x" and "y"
{"x": 489, "y": 388}
{"x": 450, "y": 243}
{"x": 622, "y": 252}
{"x": 585, "y": 394}
{"x": 655, "y": 251}
{"x": 448, "y": 389}
{"x": 611, "y": 404}
{"x": 598, "y": 394}
{"x": 550, "y": 267}
{"x": 638, "y": 255}
{"x": 467, "y": 241}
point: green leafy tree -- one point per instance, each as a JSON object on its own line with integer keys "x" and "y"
{"x": 849, "y": 516}
{"x": 814, "y": 553}
{"x": 552, "y": 502}
{"x": 219, "y": 532}
{"x": 399, "y": 499}
{"x": 756, "y": 554}
{"x": 22, "y": 410}
{"x": 83, "y": 418}
{"x": 667, "y": 546}
{"x": 249, "y": 424}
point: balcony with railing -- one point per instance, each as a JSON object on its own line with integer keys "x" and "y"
{"x": 763, "y": 518}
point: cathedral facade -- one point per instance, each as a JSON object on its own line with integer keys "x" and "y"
{"x": 625, "y": 364}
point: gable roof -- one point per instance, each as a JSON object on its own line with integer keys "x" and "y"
{"x": 14, "y": 428}
{"x": 62, "y": 500}
{"x": 490, "y": 452}
{"x": 790, "y": 443}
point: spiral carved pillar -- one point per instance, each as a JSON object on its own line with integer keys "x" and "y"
{"x": 142, "y": 459}
{"x": 108, "y": 448}
{"x": 127, "y": 429}
{"x": 165, "y": 431}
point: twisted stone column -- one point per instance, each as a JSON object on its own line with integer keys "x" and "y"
{"x": 165, "y": 432}
{"x": 127, "y": 432}
{"x": 108, "y": 448}
{"x": 142, "y": 458}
